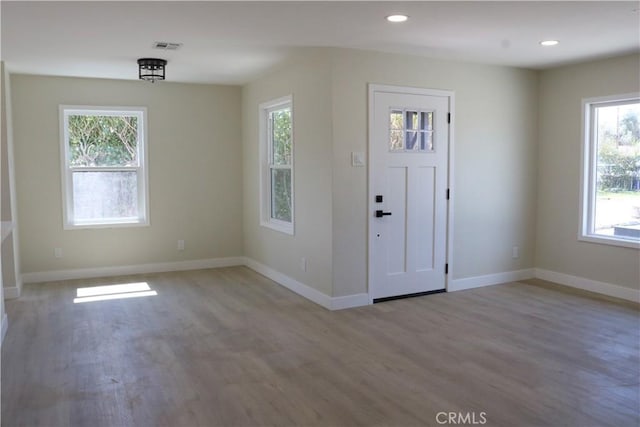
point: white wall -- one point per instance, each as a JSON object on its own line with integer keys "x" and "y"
{"x": 195, "y": 170}
{"x": 308, "y": 79}
{"x": 495, "y": 163}
{"x": 558, "y": 249}
{"x": 494, "y": 159}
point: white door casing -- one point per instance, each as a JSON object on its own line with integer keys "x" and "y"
{"x": 408, "y": 167}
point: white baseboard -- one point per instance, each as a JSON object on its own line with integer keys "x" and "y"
{"x": 292, "y": 284}
{"x": 490, "y": 279}
{"x": 604, "y": 288}
{"x": 330, "y": 303}
{"x": 306, "y": 291}
{"x": 5, "y": 327}
{"x": 86, "y": 273}
{"x": 350, "y": 301}
{"x": 12, "y": 292}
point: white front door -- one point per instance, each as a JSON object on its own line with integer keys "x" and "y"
{"x": 409, "y": 149}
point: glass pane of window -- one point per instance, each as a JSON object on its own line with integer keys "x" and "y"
{"x": 412, "y": 120}
{"x": 412, "y": 139}
{"x": 426, "y": 120}
{"x": 426, "y": 141}
{"x": 281, "y": 136}
{"x": 105, "y": 195}
{"x": 617, "y": 135}
{"x": 395, "y": 140}
{"x": 395, "y": 120}
{"x": 103, "y": 140}
{"x": 281, "y": 194}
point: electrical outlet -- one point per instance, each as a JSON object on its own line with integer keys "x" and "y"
{"x": 303, "y": 264}
{"x": 181, "y": 245}
{"x": 515, "y": 252}
{"x": 57, "y": 252}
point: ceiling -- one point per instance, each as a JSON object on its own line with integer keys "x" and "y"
{"x": 232, "y": 42}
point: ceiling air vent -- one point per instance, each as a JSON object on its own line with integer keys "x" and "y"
{"x": 166, "y": 45}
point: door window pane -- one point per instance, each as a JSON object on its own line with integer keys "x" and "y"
{"x": 426, "y": 120}
{"x": 395, "y": 120}
{"x": 410, "y": 131}
{"x": 412, "y": 139}
{"x": 412, "y": 120}
{"x": 396, "y": 130}
{"x": 426, "y": 141}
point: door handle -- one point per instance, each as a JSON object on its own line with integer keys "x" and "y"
{"x": 380, "y": 214}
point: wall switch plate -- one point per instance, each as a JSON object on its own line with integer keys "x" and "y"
{"x": 515, "y": 252}
{"x": 303, "y": 264}
{"x": 57, "y": 252}
{"x": 357, "y": 159}
{"x": 181, "y": 245}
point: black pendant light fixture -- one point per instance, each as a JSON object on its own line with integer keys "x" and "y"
{"x": 151, "y": 69}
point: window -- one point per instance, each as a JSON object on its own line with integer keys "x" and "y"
{"x": 276, "y": 165}
{"x": 611, "y": 171}
{"x": 410, "y": 131}
{"x": 104, "y": 166}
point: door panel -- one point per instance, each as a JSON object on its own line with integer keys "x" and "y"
{"x": 425, "y": 202}
{"x": 409, "y": 161}
{"x": 396, "y": 228}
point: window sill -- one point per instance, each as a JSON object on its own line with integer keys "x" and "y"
{"x": 283, "y": 227}
{"x": 123, "y": 224}
{"x": 610, "y": 240}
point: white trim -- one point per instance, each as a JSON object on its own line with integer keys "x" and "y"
{"x": 86, "y": 273}
{"x": 490, "y": 279}
{"x": 349, "y": 301}
{"x": 11, "y": 292}
{"x": 142, "y": 170}
{"x": 336, "y": 303}
{"x": 604, "y": 288}
{"x": 12, "y": 179}
{"x": 306, "y": 291}
{"x": 611, "y": 241}
{"x": 451, "y": 184}
{"x": 372, "y": 88}
{"x": 5, "y": 327}
{"x": 290, "y": 283}
{"x": 265, "y": 166}
{"x": 588, "y": 172}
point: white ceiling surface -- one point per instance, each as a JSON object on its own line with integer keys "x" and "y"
{"x": 232, "y": 42}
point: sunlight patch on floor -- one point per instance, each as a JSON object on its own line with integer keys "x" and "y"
{"x": 111, "y": 292}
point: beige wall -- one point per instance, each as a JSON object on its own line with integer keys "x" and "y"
{"x": 308, "y": 79}
{"x": 495, "y": 164}
{"x": 494, "y": 160}
{"x": 3, "y": 136}
{"x": 5, "y": 210}
{"x": 203, "y": 149}
{"x": 558, "y": 249}
{"x": 195, "y": 170}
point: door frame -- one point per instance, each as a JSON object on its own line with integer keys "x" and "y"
{"x": 372, "y": 89}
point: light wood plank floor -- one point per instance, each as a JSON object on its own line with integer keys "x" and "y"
{"x": 228, "y": 347}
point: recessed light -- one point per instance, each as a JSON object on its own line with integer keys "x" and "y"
{"x": 549, "y": 42}
{"x": 397, "y": 18}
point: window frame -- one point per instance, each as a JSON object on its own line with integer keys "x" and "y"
{"x": 588, "y": 175}
{"x": 142, "y": 170}
{"x": 266, "y": 165}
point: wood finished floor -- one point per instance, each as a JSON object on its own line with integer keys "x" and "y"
{"x": 228, "y": 347}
